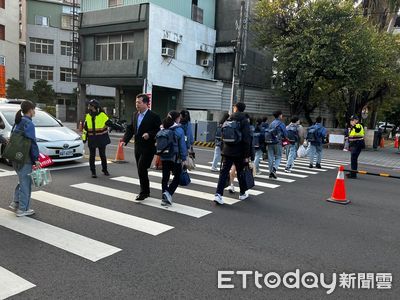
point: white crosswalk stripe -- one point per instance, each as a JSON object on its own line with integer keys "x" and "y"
{"x": 304, "y": 166}
{"x": 295, "y": 169}
{"x": 179, "y": 190}
{"x": 108, "y": 215}
{"x": 257, "y": 183}
{"x": 11, "y": 284}
{"x": 177, "y": 208}
{"x": 206, "y": 183}
{"x": 66, "y": 240}
{"x": 325, "y": 161}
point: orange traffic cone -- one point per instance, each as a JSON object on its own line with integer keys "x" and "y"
{"x": 382, "y": 143}
{"x": 396, "y": 142}
{"x": 339, "y": 190}
{"x": 120, "y": 156}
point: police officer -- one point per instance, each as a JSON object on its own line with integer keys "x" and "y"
{"x": 95, "y": 132}
{"x": 356, "y": 143}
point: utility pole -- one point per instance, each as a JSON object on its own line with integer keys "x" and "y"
{"x": 243, "y": 65}
{"x": 238, "y": 55}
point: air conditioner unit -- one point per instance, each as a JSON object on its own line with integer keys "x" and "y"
{"x": 206, "y": 63}
{"x": 167, "y": 52}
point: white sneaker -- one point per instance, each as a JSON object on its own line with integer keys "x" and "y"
{"x": 218, "y": 199}
{"x": 167, "y": 199}
{"x": 214, "y": 170}
{"x": 13, "y": 205}
{"x": 231, "y": 189}
{"x": 258, "y": 173}
{"x": 21, "y": 213}
{"x": 243, "y": 197}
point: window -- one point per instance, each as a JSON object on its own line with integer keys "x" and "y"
{"x": 2, "y": 60}
{"x": 66, "y": 48}
{"x": 3, "y": 4}
{"x": 2, "y": 32}
{"x": 42, "y": 46}
{"x": 113, "y": 3}
{"x": 67, "y": 75}
{"x": 42, "y": 21}
{"x": 197, "y": 13}
{"x": 114, "y": 47}
{"x": 67, "y": 22}
{"x": 40, "y": 72}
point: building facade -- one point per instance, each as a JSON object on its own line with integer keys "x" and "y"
{"x": 146, "y": 46}
{"x": 50, "y": 49}
{"x": 9, "y": 42}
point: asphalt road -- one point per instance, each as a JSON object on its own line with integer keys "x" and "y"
{"x": 283, "y": 229}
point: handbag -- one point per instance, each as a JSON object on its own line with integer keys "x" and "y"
{"x": 184, "y": 179}
{"x": 18, "y": 149}
{"x": 41, "y": 177}
{"x": 190, "y": 163}
{"x": 247, "y": 178}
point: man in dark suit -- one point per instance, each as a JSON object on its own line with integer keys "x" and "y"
{"x": 144, "y": 127}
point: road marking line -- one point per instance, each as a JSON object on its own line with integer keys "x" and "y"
{"x": 179, "y": 190}
{"x": 304, "y": 166}
{"x": 8, "y": 173}
{"x": 177, "y": 208}
{"x": 329, "y": 162}
{"x": 257, "y": 183}
{"x": 304, "y": 163}
{"x": 105, "y": 214}
{"x": 66, "y": 240}
{"x": 282, "y": 167}
{"x": 207, "y": 183}
{"x": 11, "y": 284}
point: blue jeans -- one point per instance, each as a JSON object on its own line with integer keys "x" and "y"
{"x": 217, "y": 157}
{"x": 315, "y": 150}
{"x": 274, "y": 156}
{"x": 291, "y": 154}
{"x": 22, "y": 195}
{"x": 257, "y": 159}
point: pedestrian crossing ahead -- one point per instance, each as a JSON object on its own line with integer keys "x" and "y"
{"x": 192, "y": 203}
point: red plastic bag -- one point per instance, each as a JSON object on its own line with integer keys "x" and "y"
{"x": 45, "y": 160}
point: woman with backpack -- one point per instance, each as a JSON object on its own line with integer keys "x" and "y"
{"x": 218, "y": 142}
{"x": 173, "y": 155}
{"x": 189, "y": 138}
{"x": 23, "y": 124}
{"x": 295, "y": 136}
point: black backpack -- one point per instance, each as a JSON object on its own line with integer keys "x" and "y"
{"x": 166, "y": 143}
{"x": 231, "y": 132}
{"x": 271, "y": 135}
{"x": 293, "y": 133}
{"x": 313, "y": 134}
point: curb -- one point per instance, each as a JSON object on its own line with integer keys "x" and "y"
{"x": 204, "y": 144}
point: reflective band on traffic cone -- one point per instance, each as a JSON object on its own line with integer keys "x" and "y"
{"x": 339, "y": 190}
{"x": 119, "y": 156}
{"x": 396, "y": 142}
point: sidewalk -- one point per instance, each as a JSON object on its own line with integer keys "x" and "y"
{"x": 388, "y": 157}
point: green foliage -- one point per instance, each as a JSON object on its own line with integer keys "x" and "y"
{"x": 16, "y": 89}
{"x": 327, "y": 52}
{"x": 43, "y": 92}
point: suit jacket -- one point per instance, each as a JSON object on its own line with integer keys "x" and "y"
{"x": 151, "y": 125}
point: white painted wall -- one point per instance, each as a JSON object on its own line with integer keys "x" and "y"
{"x": 10, "y": 47}
{"x": 170, "y": 72}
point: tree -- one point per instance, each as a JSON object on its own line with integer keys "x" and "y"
{"x": 325, "y": 49}
{"x": 16, "y": 89}
{"x": 43, "y": 92}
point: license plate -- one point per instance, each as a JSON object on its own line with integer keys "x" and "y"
{"x": 66, "y": 153}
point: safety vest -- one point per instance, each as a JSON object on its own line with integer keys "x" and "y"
{"x": 356, "y": 136}
{"x": 100, "y": 126}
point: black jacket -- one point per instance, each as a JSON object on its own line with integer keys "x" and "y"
{"x": 243, "y": 148}
{"x": 151, "y": 125}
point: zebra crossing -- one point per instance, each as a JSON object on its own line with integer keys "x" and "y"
{"x": 199, "y": 193}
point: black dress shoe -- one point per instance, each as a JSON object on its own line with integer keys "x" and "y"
{"x": 106, "y": 173}
{"x": 141, "y": 197}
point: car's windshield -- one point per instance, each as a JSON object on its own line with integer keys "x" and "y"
{"x": 41, "y": 119}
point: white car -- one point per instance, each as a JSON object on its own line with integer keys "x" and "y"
{"x": 60, "y": 143}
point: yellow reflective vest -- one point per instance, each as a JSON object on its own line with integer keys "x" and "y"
{"x": 356, "y": 133}
{"x": 100, "y": 127}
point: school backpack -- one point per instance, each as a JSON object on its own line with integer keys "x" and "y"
{"x": 293, "y": 133}
{"x": 272, "y": 135}
{"x": 313, "y": 134}
{"x": 231, "y": 132}
{"x": 166, "y": 143}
